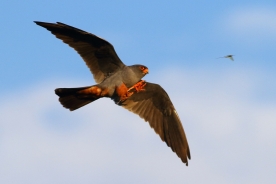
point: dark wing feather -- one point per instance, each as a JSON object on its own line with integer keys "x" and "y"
{"x": 154, "y": 105}
{"x": 98, "y": 54}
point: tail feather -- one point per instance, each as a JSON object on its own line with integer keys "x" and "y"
{"x": 72, "y": 100}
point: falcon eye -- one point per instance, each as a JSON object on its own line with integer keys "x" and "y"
{"x": 142, "y": 68}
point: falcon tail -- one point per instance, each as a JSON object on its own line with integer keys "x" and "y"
{"x": 74, "y": 98}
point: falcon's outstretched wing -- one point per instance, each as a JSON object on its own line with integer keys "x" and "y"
{"x": 154, "y": 105}
{"x": 98, "y": 54}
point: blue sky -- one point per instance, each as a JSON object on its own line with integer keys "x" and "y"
{"x": 228, "y": 109}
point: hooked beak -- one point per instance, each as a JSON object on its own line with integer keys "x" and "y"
{"x": 146, "y": 71}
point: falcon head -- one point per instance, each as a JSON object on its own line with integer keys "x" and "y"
{"x": 144, "y": 69}
{"x": 140, "y": 70}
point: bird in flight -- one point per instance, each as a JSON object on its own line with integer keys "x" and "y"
{"x": 123, "y": 84}
{"x": 228, "y": 56}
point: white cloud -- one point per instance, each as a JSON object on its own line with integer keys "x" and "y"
{"x": 228, "y": 132}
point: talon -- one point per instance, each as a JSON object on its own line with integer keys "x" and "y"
{"x": 138, "y": 86}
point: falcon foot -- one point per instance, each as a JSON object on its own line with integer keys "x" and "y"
{"x": 139, "y": 86}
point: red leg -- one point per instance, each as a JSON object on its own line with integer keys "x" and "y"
{"x": 123, "y": 93}
{"x": 139, "y": 86}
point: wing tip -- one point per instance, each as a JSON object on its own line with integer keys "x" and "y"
{"x": 43, "y": 24}
{"x": 37, "y": 22}
{"x": 186, "y": 158}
